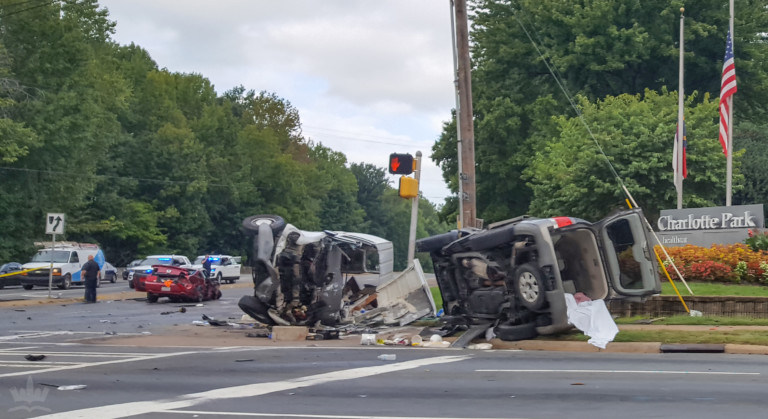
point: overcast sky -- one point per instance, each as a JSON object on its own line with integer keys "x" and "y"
{"x": 369, "y": 78}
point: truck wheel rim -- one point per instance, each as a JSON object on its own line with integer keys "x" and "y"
{"x": 529, "y": 287}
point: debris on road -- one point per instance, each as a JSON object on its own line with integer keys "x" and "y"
{"x": 214, "y": 322}
{"x": 72, "y": 387}
{"x": 34, "y": 357}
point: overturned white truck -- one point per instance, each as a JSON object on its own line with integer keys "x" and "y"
{"x": 329, "y": 278}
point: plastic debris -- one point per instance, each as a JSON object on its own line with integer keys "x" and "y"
{"x": 416, "y": 340}
{"x": 72, "y": 387}
{"x": 387, "y": 357}
{"x": 199, "y": 323}
{"x": 368, "y": 339}
{"x": 480, "y": 346}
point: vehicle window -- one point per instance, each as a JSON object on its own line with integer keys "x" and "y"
{"x": 198, "y": 260}
{"x": 59, "y": 256}
{"x": 74, "y": 258}
{"x": 631, "y": 259}
{"x": 156, "y": 261}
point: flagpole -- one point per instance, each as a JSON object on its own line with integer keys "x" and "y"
{"x": 729, "y": 157}
{"x": 679, "y": 136}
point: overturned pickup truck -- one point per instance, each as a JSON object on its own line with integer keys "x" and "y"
{"x": 513, "y": 275}
{"x": 306, "y": 278}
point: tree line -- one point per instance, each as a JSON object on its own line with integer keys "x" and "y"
{"x": 618, "y": 62}
{"x": 144, "y": 160}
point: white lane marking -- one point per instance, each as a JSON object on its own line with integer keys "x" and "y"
{"x": 17, "y": 348}
{"x": 37, "y": 364}
{"x": 248, "y": 390}
{"x": 95, "y": 364}
{"x": 631, "y": 372}
{"x": 88, "y": 354}
{"x": 297, "y": 415}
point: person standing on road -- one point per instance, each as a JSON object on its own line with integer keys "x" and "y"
{"x": 90, "y": 272}
{"x": 207, "y": 266}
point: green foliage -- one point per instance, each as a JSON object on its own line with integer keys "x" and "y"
{"x": 598, "y": 49}
{"x": 569, "y": 175}
{"x": 145, "y": 160}
{"x": 757, "y": 240}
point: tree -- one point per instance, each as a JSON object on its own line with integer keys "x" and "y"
{"x": 595, "y": 48}
{"x": 571, "y": 176}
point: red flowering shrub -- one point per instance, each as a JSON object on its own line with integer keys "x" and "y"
{"x": 719, "y": 263}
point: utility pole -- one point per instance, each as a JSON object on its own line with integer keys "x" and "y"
{"x": 467, "y": 198}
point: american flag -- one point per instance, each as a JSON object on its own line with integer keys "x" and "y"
{"x": 675, "y": 150}
{"x": 727, "y": 89}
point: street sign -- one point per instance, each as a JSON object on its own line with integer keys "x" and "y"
{"x": 54, "y": 223}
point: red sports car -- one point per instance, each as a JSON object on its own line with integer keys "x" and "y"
{"x": 180, "y": 284}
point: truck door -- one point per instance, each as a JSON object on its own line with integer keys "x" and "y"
{"x": 628, "y": 255}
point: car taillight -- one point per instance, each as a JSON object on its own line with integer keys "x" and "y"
{"x": 562, "y": 221}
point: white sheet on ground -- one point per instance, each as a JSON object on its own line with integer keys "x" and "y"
{"x": 592, "y": 318}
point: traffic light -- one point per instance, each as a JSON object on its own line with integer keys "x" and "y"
{"x": 400, "y": 164}
{"x": 409, "y": 187}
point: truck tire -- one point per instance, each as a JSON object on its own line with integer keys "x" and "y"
{"x": 276, "y": 223}
{"x": 515, "y": 332}
{"x": 66, "y": 283}
{"x": 28, "y": 287}
{"x": 529, "y": 286}
{"x": 253, "y": 307}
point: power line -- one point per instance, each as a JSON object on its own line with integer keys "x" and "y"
{"x": 15, "y": 12}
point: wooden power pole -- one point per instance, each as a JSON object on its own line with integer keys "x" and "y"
{"x": 467, "y": 202}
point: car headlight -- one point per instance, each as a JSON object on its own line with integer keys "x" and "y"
{"x": 57, "y": 271}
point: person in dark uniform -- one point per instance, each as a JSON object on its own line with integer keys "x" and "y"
{"x": 207, "y": 266}
{"x": 90, "y": 272}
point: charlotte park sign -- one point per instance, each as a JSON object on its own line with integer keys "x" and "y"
{"x": 708, "y": 226}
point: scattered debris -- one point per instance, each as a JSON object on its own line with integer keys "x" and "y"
{"x": 72, "y": 387}
{"x": 259, "y": 333}
{"x": 480, "y": 346}
{"x": 111, "y": 332}
{"x": 34, "y": 357}
{"x": 214, "y": 322}
{"x": 19, "y": 309}
{"x": 368, "y": 339}
{"x": 387, "y": 357}
{"x": 200, "y": 323}
{"x": 243, "y": 360}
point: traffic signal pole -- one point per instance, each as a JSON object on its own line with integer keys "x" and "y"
{"x": 467, "y": 198}
{"x": 414, "y": 212}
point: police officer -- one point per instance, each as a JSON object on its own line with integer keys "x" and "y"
{"x": 207, "y": 266}
{"x": 90, "y": 272}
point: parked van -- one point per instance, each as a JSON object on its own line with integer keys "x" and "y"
{"x": 67, "y": 261}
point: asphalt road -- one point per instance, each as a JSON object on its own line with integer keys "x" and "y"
{"x": 145, "y": 360}
{"x": 241, "y": 382}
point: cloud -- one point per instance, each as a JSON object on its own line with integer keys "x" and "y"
{"x": 368, "y": 78}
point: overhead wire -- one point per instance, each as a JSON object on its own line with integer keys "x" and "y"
{"x": 15, "y": 12}
{"x": 583, "y": 121}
